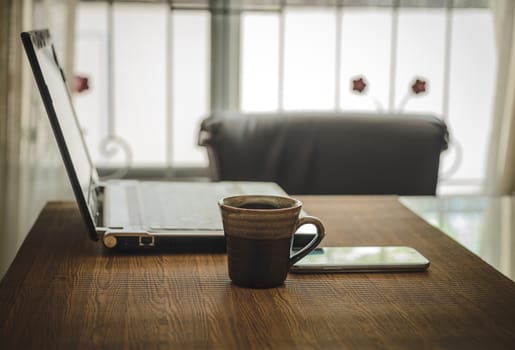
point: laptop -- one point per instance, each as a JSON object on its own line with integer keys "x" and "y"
{"x": 128, "y": 214}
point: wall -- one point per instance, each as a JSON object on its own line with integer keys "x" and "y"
{"x": 31, "y": 171}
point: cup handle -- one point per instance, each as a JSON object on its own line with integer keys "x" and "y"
{"x": 314, "y": 242}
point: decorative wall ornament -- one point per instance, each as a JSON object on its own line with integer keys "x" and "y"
{"x": 80, "y": 83}
{"x": 359, "y": 85}
{"x": 111, "y": 144}
{"x": 109, "y": 147}
{"x": 455, "y": 151}
{"x": 418, "y": 87}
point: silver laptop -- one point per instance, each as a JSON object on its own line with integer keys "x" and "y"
{"x": 128, "y": 214}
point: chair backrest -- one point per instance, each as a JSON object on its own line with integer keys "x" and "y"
{"x": 328, "y": 153}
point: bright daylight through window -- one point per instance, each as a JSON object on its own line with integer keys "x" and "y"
{"x": 150, "y": 83}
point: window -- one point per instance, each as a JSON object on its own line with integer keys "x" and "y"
{"x": 148, "y": 71}
{"x": 151, "y": 82}
{"x": 450, "y": 50}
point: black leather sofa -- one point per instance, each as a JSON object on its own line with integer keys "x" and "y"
{"x": 327, "y": 153}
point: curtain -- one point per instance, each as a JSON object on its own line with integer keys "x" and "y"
{"x": 11, "y": 15}
{"x": 31, "y": 171}
{"x": 500, "y": 172}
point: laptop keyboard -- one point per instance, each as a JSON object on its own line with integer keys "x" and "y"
{"x": 175, "y": 205}
{"x": 133, "y": 205}
{"x": 181, "y": 205}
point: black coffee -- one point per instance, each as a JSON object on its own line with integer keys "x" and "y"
{"x": 265, "y": 206}
{"x": 258, "y": 263}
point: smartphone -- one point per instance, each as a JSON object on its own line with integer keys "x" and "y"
{"x": 361, "y": 259}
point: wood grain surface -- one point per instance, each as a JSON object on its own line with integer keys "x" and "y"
{"x": 65, "y": 292}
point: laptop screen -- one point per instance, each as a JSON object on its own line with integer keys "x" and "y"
{"x": 56, "y": 97}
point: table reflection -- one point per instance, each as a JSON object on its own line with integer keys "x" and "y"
{"x": 484, "y": 225}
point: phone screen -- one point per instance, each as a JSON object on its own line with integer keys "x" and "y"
{"x": 348, "y": 259}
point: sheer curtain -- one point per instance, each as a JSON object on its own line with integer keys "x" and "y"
{"x": 31, "y": 172}
{"x": 501, "y": 163}
{"x": 10, "y": 104}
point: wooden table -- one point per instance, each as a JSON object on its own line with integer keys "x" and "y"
{"x": 64, "y": 291}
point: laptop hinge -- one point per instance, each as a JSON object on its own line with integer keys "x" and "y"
{"x": 99, "y": 201}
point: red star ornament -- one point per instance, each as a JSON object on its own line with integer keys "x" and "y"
{"x": 419, "y": 86}
{"x": 359, "y": 85}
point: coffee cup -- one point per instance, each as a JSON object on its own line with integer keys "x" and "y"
{"x": 259, "y": 232}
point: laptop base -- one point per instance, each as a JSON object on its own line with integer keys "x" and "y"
{"x": 182, "y": 244}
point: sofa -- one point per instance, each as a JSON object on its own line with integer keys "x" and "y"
{"x": 327, "y": 152}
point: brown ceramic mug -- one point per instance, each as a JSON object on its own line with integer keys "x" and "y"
{"x": 259, "y": 231}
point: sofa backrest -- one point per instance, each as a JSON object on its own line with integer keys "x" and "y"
{"x": 328, "y": 153}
